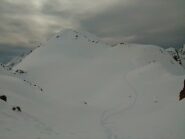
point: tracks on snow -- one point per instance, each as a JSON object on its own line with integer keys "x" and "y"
{"x": 107, "y": 114}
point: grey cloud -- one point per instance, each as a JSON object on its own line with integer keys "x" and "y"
{"x": 15, "y": 26}
{"x": 145, "y": 21}
{"x": 54, "y": 8}
{"x": 24, "y": 21}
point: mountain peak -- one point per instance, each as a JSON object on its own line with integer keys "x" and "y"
{"x": 75, "y": 34}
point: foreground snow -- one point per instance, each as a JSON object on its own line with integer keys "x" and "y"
{"x": 94, "y": 91}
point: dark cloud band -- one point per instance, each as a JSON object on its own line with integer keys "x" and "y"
{"x": 158, "y": 22}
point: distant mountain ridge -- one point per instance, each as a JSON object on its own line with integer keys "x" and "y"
{"x": 178, "y": 54}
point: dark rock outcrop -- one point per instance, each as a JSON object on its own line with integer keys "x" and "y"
{"x": 182, "y": 93}
{"x": 20, "y": 71}
{"x": 4, "y": 98}
{"x": 17, "y": 108}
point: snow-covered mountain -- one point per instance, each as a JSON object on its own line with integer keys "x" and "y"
{"x": 77, "y": 87}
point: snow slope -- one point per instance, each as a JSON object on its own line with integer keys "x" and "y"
{"x": 25, "y": 124}
{"x": 94, "y": 91}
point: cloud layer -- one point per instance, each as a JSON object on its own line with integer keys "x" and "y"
{"x": 159, "y": 22}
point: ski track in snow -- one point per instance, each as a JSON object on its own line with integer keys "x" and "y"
{"x": 107, "y": 114}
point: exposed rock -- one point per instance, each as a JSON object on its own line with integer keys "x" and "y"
{"x": 4, "y": 98}
{"x": 182, "y": 93}
{"x": 20, "y": 71}
{"x": 17, "y": 108}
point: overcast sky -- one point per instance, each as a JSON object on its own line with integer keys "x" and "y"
{"x": 160, "y": 22}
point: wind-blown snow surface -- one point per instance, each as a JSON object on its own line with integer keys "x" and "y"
{"x": 94, "y": 91}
